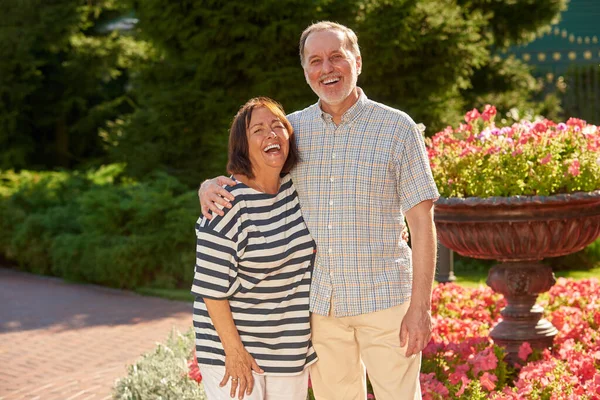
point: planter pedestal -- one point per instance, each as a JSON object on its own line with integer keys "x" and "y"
{"x": 519, "y": 232}
{"x": 522, "y": 319}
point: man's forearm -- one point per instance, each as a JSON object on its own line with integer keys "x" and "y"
{"x": 424, "y": 250}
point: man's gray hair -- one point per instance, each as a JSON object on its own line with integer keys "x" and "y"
{"x": 351, "y": 41}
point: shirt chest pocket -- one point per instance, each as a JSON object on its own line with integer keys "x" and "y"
{"x": 366, "y": 179}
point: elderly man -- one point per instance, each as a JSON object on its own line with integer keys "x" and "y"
{"x": 363, "y": 169}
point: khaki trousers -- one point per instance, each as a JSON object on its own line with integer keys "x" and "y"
{"x": 346, "y": 345}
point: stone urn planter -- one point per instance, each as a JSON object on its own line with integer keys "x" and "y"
{"x": 519, "y": 232}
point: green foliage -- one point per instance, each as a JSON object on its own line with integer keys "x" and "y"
{"x": 423, "y": 56}
{"x": 162, "y": 374}
{"x": 100, "y": 227}
{"x": 60, "y": 80}
{"x": 162, "y": 96}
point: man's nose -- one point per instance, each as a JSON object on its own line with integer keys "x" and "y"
{"x": 327, "y": 66}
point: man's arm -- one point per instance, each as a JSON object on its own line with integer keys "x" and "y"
{"x": 212, "y": 194}
{"x": 417, "y": 326}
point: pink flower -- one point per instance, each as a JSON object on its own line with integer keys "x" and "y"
{"x": 489, "y": 112}
{"x": 546, "y": 159}
{"x": 574, "y": 168}
{"x": 488, "y": 381}
{"x": 465, "y": 383}
{"x": 576, "y": 122}
{"x": 485, "y": 360}
{"x": 524, "y": 351}
{"x": 472, "y": 115}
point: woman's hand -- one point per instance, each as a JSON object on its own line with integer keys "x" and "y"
{"x": 211, "y": 193}
{"x": 239, "y": 365}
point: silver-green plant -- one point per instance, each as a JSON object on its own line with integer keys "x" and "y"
{"x": 162, "y": 374}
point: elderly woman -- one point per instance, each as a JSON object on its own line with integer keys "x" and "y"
{"x": 253, "y": 269}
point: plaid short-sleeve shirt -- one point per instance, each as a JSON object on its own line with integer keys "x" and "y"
{"x": 354, "y": 182}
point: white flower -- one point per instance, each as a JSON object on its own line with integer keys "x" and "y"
{"x": 589, "y": 129}
{"x": 421, "y": 127}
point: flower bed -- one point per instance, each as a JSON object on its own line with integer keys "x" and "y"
{"x": 460, "y": 362}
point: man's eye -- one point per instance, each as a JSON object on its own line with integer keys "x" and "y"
{"x": 315, "y": 62}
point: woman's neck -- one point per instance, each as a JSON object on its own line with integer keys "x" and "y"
{"x": 263, "y": 182}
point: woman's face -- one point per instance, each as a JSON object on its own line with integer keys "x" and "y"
{"x": 268, "y": 141}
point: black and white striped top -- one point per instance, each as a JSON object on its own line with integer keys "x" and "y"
{"x": 259, "y": 256}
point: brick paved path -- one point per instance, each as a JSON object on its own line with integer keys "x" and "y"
{"x": 66, "y": 341}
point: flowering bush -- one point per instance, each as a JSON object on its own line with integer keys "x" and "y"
{"x": 541, "y": 157}
{"x": 461, "y": 362}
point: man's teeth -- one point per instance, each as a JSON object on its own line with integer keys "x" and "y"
{"x": 330, "y": 80}
{"x": 272, "y": 146}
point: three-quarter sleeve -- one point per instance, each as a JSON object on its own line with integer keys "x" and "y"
{"x": 216, "y": 273}
{"x": 415, "y": 180}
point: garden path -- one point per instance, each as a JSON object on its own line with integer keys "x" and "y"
{"x": 69, "y": 341}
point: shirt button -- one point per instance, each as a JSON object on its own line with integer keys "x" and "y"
{"x": 331, "y": 203}
{"x": 333, "y": 155}
{"x": 331, "y": 179}
{"x": 330, "y": 250}
{"x": 329, "y": 226}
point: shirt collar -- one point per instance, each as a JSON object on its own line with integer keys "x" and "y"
{"x": 352, "y": 112}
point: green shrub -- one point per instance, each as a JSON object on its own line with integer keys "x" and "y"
{"x": 100, "y": 227}
{"x": 162, "y": 374}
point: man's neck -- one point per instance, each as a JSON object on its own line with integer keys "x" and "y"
{"x": 338, "y": 110}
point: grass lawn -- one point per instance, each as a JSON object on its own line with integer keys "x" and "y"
{"x": 170, "y": 294}
{"x": 473, "y": 277}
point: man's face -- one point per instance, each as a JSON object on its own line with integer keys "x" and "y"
{"x": 330, "y": 68}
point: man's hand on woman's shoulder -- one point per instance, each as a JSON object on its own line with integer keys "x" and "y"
{"x": 211, "y": 194}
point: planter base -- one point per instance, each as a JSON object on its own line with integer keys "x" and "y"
{"x": 520, "y": 283}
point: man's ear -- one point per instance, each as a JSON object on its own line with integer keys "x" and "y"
{"x": 358, "y": 65}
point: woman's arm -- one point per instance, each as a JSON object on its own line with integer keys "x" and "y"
{"x": 239, "y": 364}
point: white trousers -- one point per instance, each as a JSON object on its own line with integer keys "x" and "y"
{"x": 266, "y": 387}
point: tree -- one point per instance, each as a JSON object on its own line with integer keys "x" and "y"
{"x": 60, "y": 80}
{"x": 422, "y": 56}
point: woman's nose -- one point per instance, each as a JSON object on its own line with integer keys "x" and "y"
{"x": 273, "y": 133}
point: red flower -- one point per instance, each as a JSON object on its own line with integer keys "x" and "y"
{"x": 524, "y": 351}
{"x": 194, "y": 370}
{"x": 546, "y": 159}
{"x": 574, "y": 168}
{"x": 488, "y": 381}
{"x": 489, "y": 112}
{"x": 576, "y": 122}
{"x": 472, "y": 115}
